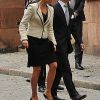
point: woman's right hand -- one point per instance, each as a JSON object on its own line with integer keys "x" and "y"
{"x": 25, "y": 43}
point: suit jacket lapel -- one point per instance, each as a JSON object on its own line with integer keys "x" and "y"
{"x": 40, "y": 14}
{"x": 49, "y": 14}
{"x": 61, "y": 12}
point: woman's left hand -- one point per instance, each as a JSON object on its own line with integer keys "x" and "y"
{"x": 25, "y": 43}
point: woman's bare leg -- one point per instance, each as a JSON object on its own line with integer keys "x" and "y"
{"x": 50, "y": 79}
{"x": 34, "y": 81}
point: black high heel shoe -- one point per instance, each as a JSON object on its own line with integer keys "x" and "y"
{"x": 46, "y": 97}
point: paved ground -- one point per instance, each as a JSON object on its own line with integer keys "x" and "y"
{"x": 16, "y": 88}
{"x": 15, "y": 64}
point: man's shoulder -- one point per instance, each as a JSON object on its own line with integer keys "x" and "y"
{"x": 56, "y": 5}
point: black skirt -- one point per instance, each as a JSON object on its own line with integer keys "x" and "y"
{"x": 40, "y": 52}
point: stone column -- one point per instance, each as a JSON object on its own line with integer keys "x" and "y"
{"x": 91, "y": 27}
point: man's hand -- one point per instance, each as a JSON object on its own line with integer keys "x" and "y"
{"x": 75, "y": 14}
{"x": 82, "y": 46}
{"x": 72, "y": 17}
{"x": 25, "y": 43}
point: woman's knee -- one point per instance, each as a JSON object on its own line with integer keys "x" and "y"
{"x": 53, "y": 65}
{"x": 36, "y": 68}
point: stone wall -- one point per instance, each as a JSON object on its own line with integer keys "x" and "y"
{"x": 91, "y": 31}
{"x": 11, "y": 12}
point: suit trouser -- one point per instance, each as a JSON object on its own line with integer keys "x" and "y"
{"x": 42, "y": 76}
{"x": 78, "y": 54}
{"x": 63, "y": 70}
{"x": 77, "y": 29}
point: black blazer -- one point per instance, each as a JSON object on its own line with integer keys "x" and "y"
{"x": 79, "y": 9}
{"x": 61, "y": 30}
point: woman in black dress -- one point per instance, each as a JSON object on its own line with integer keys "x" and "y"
{"x": 37, "y": 36}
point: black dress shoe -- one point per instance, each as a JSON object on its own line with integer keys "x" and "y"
{"x": 60, "y": 88}
{"x": 41, "y": 89}
{"x": 57, "y": 98}
{"x": 28, "y": 80}
{"x": 78, "y": 66}
{"x": 79, "y": 97}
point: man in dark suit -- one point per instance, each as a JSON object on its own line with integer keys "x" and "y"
{"x": 78, "y": 17}
{"x": 62, "y": 14}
